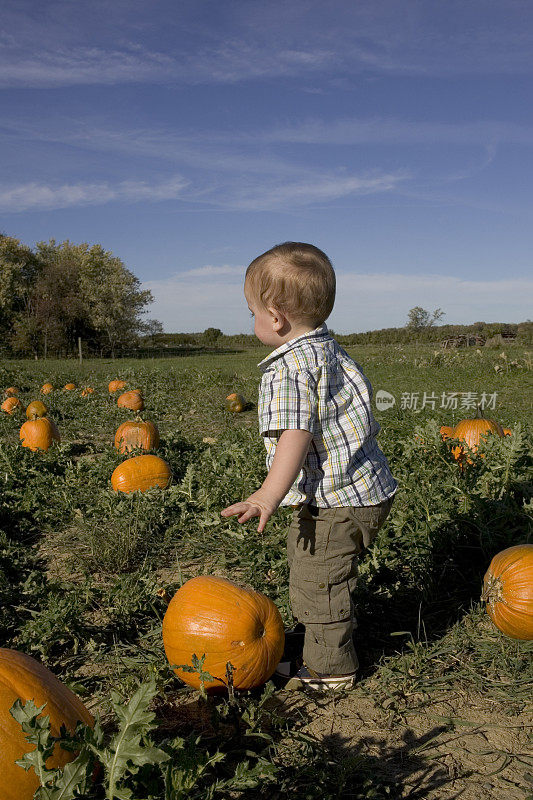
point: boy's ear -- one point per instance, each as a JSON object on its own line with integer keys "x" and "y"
{"x": 278, "y": 319}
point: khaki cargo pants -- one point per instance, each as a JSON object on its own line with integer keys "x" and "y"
{"x": 323, "y": 545}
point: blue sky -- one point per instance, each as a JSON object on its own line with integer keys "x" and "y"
{"x": 188, "y": 137}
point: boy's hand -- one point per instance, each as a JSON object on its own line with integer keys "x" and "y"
{"x": 257, "y": 505}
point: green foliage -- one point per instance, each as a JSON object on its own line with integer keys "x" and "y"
{"x": 418, "y": 318}
{"x": 80, "y": 568}
{"x": 60, "y": 292}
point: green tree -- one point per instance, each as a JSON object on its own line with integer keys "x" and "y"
{"x": 418, "y": 318}
{"x": 19, "y": 268}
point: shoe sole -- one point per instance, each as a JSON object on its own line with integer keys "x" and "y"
{"x": 340, "y": 684}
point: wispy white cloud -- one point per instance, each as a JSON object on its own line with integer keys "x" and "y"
{"x": 210, "y": 271}
{"x": 35, "y": 196}
{"x": 84, "y": 65}
{"x": 311, "y": 189}
{"x": 396, "y": 131}
{"x": 365, "y": 301}
{"x": 160, "y": 42}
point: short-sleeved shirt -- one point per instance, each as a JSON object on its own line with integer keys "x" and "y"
{"x": 310, "y": 383}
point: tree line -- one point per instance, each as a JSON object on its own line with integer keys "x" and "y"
{"x": 59, "y": 292}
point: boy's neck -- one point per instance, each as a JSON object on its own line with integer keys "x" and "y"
{"x": 294, "y": 330}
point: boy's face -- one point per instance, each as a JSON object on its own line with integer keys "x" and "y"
{"x": 264, "y": 322}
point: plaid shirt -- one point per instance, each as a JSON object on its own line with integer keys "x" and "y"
{"x": 310, "y": 383}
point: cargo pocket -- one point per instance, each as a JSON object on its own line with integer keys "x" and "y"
{"x": 320, "y": 593}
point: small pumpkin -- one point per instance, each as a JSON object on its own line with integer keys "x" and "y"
{"x": 69, "y": 387}
{"x": 136, "y": 433}
{"x": 446, "y": 432}
{"x": 115, "y": 385}
{"x": 87, "y": 391}
{"x": 46, "y": 388}
{"x": 140, "y": 473}
{"x": 24, "y": 678}
{"x": 39, "y": 434}
{"x": 228, "y": 623}
{"x": 132, "y": 400}
{"x": 36, "y": 409}
{"x": 235, "y": 403}
{"x": 11, "y": 404}
{"x": 507, "y": 431}
{"x": 508, "y": 591}
{"x": 12, "y": 391}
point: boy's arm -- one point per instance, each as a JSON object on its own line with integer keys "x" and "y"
{"x": 291, "y": 450}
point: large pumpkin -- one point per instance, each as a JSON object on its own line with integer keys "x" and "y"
{"x": 39, "y": 434}
{"x": 135, "y": 433}
{"x": 471, "y": 432}
{"x": 235, "y": 403}
{"x": 132, "y": 400}
{"x": 46, "y": 388}
{"x": 508, "y": 591}
{"x": 11, "y": 404}
{"x": 140, "y": 473}
{"x": 213, "y": 616}
{"x": 24, "y": 678}
{"x": 36, "y": 409}
{"x": 114, "y": 386}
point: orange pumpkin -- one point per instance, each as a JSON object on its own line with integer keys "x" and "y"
{"x": 508, "y": 591}
{"x": 235, "y": 403}
{"x": 46, "y": 388}
{"x": 507, "y": 431}
{"x": 69, "y": 387}
{"x": 136, "y": 433}
{"x": 39, "y": 434}
{"x": 36, "y": 409}
{"x": 11, "y": 404}
{"x": 24, "y": 678}
{"x": 446, "y": 432}
{"x": 472, "y": 431}
{"x": 12, "y": 391}
{"x": 87, "y": 391}
{"x": 132, "y": 400}
{"x": 140, "y": 473}
{"x": 213, "y": 616}
{"x": 114, "y": 386}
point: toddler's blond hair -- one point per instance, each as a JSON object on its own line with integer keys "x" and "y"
{"x": 296, "y": 278}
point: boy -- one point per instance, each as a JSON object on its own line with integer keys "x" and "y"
{"x": 322, "y": 455}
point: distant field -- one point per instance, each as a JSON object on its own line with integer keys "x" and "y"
{"x": 443, "y": 707}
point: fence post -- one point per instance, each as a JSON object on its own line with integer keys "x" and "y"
{"x": 79, "y": 348}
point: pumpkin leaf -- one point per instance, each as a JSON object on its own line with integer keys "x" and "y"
{"x": 37, "y": 731}
{"x": 68, "y": 783}
{"x": 126, "y": 751}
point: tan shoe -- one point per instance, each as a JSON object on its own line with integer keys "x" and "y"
{"x": 307, "y": 678}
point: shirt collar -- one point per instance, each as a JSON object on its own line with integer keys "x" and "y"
{"x": 319, "y": 333}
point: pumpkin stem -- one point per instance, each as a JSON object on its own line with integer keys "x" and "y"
{"x": 164, "y": 595}
{"x": 479, "y": 412}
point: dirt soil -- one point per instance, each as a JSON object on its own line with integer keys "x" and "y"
{"x": 462, "y": 746}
